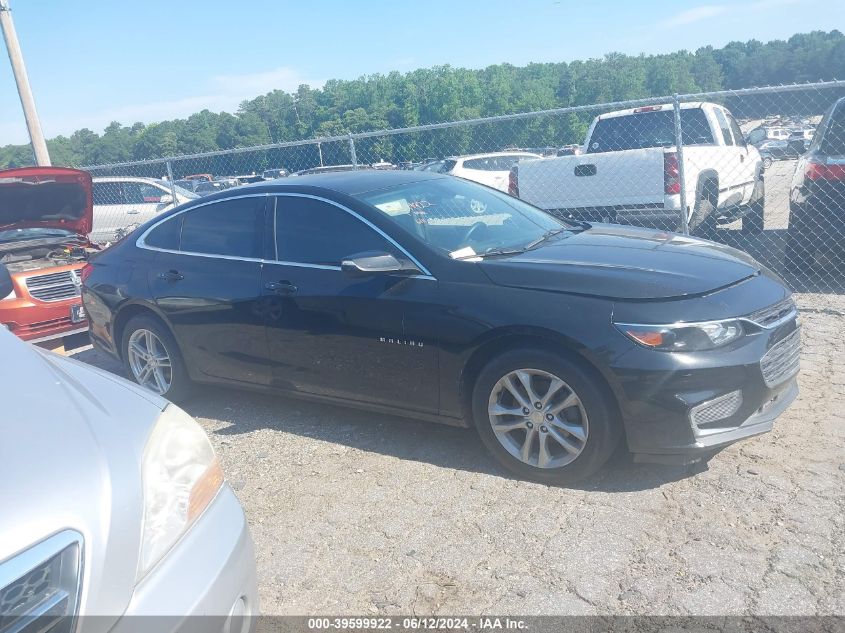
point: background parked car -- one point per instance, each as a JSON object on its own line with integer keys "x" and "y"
{"x": 121, "y": 202}
{"x": 765, "y": 133}
{"x": 279, "y": 172}
{"x": 127, "y": 513}
{"x": 206, "y": 188}
{"x": 490, "y": 169}
{"x": 771, "y": 151}
{"x": 189, "y": 184}
{"x": 45, "y": 218}
{"x": 817, "y": 194}
{"x": 630, "y": 172}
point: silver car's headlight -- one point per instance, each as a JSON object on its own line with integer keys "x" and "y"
{"x": 684, "y": 337}
{"x": 181, "y": 475}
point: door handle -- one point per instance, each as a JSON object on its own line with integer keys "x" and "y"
{"x": 133, "y": 212}
{"x": 281, "y": 287}
{"x": 171, "y": 275}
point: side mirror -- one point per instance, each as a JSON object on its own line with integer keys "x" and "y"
{"x": 368, "y": 264}
{"x": 6, "y": 286}
{"x": 166, "y": 199}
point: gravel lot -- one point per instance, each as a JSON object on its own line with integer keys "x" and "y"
{"x": 356, "y": 513}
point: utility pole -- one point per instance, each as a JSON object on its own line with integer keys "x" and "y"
{"x": 36, "y": 137}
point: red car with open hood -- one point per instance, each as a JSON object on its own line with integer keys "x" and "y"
{"x": 46, "y": 214}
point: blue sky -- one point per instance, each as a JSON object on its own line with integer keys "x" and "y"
{"x": 94, "y": 61}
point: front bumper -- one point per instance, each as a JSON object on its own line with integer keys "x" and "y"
{"x": 740, "y": 391}
{"x": 206, "y": 579}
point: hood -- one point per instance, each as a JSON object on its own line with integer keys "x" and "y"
{"x": 619, "y": 262}
{"x": 78, "y": 436}
{"x": 46, "y": 197}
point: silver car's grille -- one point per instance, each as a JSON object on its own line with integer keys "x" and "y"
{"x": 39, "y": 588}
{"x": 54, "y": 286}
{"x": 772, "y": 315}
{"x": 783, "y": 360}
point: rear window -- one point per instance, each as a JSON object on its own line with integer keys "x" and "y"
{"x": 649, "y": 129}
{"x": 833, "y": 139}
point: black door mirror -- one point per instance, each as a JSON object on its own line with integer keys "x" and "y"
{"x": 6, "y": 286}
{"x": 368, "y": 264}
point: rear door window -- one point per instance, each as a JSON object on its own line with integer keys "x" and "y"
{"x": 649, "y": 129}
{"x": 232, "y": 228}
{"x": 108, "y": 193}
{"x": 724, "y": 126}
{"x": 166, "y": 235}
{"x": 833, "y": 137}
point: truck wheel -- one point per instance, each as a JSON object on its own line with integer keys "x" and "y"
{"x": 544, "y": 417}
{"x": 799, "y": 251}
{"x": 752, "y": 221}
{"x": 703, "y": 220}
{"x": 767, "y": 162}
{"x": 152, "y": 358}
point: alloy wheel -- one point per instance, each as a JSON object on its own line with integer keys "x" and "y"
{"x": 538, "y": 418}
{"x": 149, "y": 361}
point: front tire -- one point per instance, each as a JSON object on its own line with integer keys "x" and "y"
{"x": 544, "y": 417}
{"x": 752, "y": 221}
{"x": 152, "y": 358}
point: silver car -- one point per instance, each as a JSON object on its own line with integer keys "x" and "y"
{"x": 113, "y": 505}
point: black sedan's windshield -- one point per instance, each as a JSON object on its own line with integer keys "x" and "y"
{"x": 464, "y": 219}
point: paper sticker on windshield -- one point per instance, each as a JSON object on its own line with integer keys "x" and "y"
{"x": 466, "y": 254}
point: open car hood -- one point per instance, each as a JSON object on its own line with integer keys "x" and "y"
{"x": 46, "y": 197}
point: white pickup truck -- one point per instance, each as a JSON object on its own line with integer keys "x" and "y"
{"x": 629, "y": 172}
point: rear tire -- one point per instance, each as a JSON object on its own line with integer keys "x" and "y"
{"x": 572, "y": 434}
{"x": 799, "y": 251}
{"x": 151, "y": 357}
{"x": 767, "y": 163}
{"x": 703, "y": 221}
{"x": 753, "y": 220}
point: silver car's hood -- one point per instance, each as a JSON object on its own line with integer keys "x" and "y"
{"x": 70, "y": 454}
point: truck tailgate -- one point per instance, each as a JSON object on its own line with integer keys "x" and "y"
{"x": 609, "y": 179}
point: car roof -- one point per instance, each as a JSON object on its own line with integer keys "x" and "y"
{"x": 129, "y": 178}
{"x": 687, "y": 105}
{"x": 515, "y": 152}
{"x": 349, "y": 182}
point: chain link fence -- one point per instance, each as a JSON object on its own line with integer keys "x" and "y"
{"x": 761, "y": 170}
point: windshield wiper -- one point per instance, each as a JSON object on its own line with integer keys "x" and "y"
{"x": 546, "y": 236}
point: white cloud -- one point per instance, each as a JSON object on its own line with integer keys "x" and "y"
{"x": 222, "y": 92}
{"x": 765, "y": 5}
{"x": 696, "y": 14}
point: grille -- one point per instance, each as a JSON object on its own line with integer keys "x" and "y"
{"x": 39, "y": 587}
{"x": 55, "y": 286}
{"x": 783, "y": 360}
{"x": 716, "y": 409}
{"x": 769, "y": 316}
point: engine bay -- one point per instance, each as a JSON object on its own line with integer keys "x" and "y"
{"x": 36, "y": 254}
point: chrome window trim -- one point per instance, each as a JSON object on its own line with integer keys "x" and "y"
{"x": 426, "y": 273}
{"x": 141, "y": 243}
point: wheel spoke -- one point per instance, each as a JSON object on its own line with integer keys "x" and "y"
{"x": 507, "y": 427}
{"x": 527, "y": 444}
{"x": 144, "y": 373}
{"x": 499, "y": 409}
{"x": 525, "y": 379}
{"x": 554, "y": 386}
{"x": 149, "y": 341}
{"x": 570, "y": 401}
{"x": 511, "y": 386}
{"x": 137, "y": 349}
{"x": 568, "y": 446}
{"x": 161, "y": 383}
{"x": 574, "y": 430}
{"x": 544, "y": 457}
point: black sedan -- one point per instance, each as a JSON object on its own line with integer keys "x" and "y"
{"x": 431, "y": 297}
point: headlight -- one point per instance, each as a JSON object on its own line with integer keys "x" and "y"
{"x": 181, "y": 475}
{"x": 683, "y": 337}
